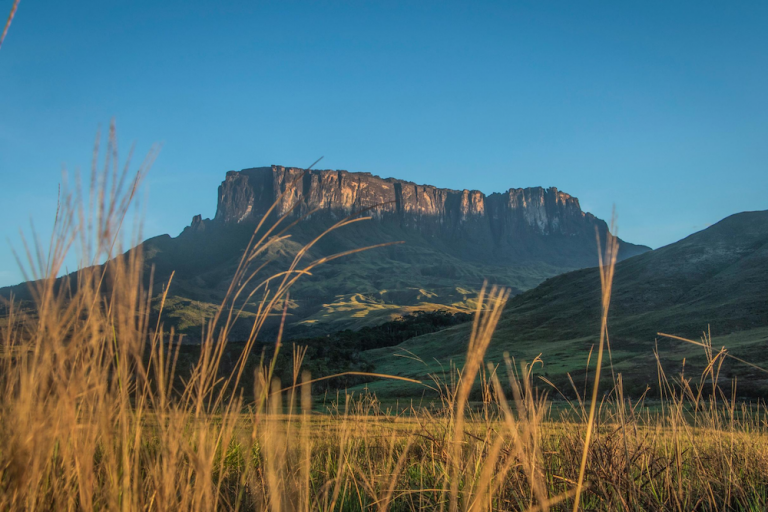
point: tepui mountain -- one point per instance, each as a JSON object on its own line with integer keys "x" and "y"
{"x": 451, "y": 241}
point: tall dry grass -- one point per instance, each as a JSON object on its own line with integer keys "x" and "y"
{"x": 90, "y": 418}
{"x": 8, "y": 21}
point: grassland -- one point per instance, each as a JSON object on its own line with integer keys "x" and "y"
{"x": 90, "y": 418}
{"x": 562, "y": 360}
{"x": 713, "y": 283}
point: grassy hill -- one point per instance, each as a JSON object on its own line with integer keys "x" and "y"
{"x": 359, "y": 290}
{"x": 715, "y": 279}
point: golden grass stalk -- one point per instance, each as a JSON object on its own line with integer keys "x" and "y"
{"x": 482, "y": 332}
{"x": 8, "y": 22}
{"x": 607, "y": 267}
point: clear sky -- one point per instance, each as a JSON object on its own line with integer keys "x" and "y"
{"x": 660, "y": 108}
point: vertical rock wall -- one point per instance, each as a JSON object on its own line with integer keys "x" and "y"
{"x": 519, "y": 223}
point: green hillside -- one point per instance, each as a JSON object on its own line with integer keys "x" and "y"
{"x": 715, "y": 279}
{"x": 352, "y": 292}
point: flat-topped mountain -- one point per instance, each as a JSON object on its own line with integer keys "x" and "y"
{"x": 453, "y": 240}
{"x": 522, "y": 224}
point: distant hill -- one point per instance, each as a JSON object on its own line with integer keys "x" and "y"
{"x": 716, "y": 278}
{"x": 453, "y": 240}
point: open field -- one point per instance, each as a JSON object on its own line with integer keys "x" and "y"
{"x": 94, "y": 415}
{"x": 681, "y": 453}
{"x": 432, "y": 355}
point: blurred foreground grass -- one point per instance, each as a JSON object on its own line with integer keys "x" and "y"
{"x": 94, "y": 416}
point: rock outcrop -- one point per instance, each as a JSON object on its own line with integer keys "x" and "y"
{"x": 516, "y": 224}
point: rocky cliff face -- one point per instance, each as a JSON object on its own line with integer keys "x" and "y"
{"x": 502, "y": 223}
{"x": 248, "y": 194}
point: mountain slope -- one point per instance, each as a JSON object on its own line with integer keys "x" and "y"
{"x": 452, "y": 241}
{"x": 717, "y": 277}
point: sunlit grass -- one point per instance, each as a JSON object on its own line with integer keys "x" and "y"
{"x": 95, "y": 415}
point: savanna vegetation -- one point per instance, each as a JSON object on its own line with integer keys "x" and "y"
{"x": 336, "y": 355}
{"x": 96, "y": 413}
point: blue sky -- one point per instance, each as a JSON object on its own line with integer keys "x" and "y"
{"x": 657, "y": 107}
